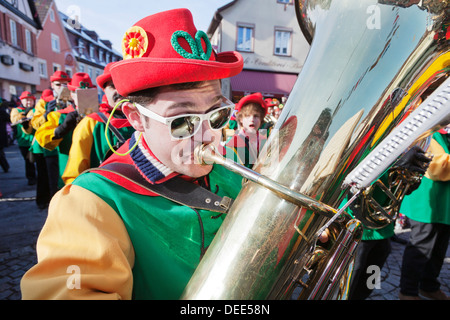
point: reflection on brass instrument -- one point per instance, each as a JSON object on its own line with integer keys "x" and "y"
{"x": 369, "y": 64}
{"x": 430, "y": 116}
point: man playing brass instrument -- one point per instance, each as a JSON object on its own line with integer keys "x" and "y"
{"x": 115, "y": 226}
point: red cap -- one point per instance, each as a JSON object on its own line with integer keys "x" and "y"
{"x": 47, "y": 95}
{"x": 105, "y": 77}
{"x": 254, "y": 97}
{"x": 27, "y": 94}
{"x": 80, "y": 80}
{"x": 60, "y": 76}
{"x": 166, "y": 48}
{"x": 270, "y": 103}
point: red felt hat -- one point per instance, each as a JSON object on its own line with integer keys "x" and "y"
{"x": 105, "y": 77}
{"x": 80, "y": 80}
{"x": 254, "y": 97}
{"x": 270, "y": 103}
{"x": 166, "y": 48}
{"x": 47, "y": 95}
{"x": 27, "y": 94}
{"x": 60, "y": 76}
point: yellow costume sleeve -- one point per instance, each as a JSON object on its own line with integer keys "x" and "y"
{"x": 38, "y": 117}
{"x": 44, "y": 135}
{"x": 16, "y": 115}
{"x": 80, "y": 150}
{"x": 84, "y": 251}
{"x": 439, "y": 169}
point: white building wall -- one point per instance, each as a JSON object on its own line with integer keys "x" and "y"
{"x": 265, "y": 15}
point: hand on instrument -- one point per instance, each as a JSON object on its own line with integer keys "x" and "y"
{"x": 414, "y": 160}
{"x": 70, "y": 122}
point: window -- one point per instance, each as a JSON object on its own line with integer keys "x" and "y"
{"x": 69, "y": 72}
{"x": 42, "y": 66}
{"x": 100, "y": 55}
{"x": 80, "y": 46}
{"x": 107, "y": 58}
{"x": 282, "y": 43}
{"x": 13, "y": 28}
{"x": 90, "y": 72}
{"x": 91, "y": 50}
{"x": 56, "y": 67}
{"x": 29, "y": 44}
{"x": 81, "y": 67}
{"x": 55, "y": 43}
{"x": 245, "y": 38}
{"x": 52, "y": 15}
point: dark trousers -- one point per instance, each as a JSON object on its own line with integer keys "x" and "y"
{"x": 369, "y": 253}
{"x": 42, "y": 186}
{"x": 3, "y": 162}
{"x": 423, "y": 257}
{"x": 30, "y": 169}
{"x": 53, "y": 174}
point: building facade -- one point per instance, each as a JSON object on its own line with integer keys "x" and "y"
{"x": 91, "y": 52}
{"x": 54, "y": 48}
{"x": 19, "y": 26}
{"x": 268, "y": 36}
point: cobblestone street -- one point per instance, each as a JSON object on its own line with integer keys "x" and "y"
{"x": 21, "y": 222}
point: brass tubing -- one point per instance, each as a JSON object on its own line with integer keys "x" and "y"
{"x": 207, "y": 154}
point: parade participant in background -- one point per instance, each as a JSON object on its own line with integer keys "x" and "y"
{"x": 89, "y": 145}
{"x": 4, "y": 120}
{"x": 428, "y": 210}
{"x": 128, "y": 239}
{"x": 270, "y": 119}
{"x": 20, "y": 118}
{"x": 247, "y": 143}
{"x": 43, "y": 194}
{"x": 51, "y": 100}
{"x": 375, "y": 245}
{"x": 56, "y": 132}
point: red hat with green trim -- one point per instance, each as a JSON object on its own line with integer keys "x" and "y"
{"x": 80, "y": 80}
{"x": 255, "y": 98}
{"x": 105, "y": 77}
{"x": 47, "y": 95}
{"x": 60, "y": 76}
{"x": 166, "y": 48}
{"x": 27, "y": 94}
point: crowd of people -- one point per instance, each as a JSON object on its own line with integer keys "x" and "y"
{"x": 117, "y": 177}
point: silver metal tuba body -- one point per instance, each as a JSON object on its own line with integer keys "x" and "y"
{"x": 369, "y": 65}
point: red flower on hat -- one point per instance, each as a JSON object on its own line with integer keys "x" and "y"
{"x": 135, "y": 43}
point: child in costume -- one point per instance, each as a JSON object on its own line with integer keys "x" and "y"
{"x": 56, "y": 132}
{"x": 47, "y": 160}
{"x": 115, "y": 226}
{"x": 247, "y": 143}
{"x": 20, "y": 117}
{"x": 89, "y": 144}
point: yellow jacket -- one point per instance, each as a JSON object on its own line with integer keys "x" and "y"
{"x": 39, "y": 112}
{"x": 44, "y": 135}
{"x": 92, "y": 260}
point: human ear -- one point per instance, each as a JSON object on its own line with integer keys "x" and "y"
{"x": 133, "y": 116}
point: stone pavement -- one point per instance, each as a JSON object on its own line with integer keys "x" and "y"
{"x": 21, "y": 221}
{"x": 20, "y": 224}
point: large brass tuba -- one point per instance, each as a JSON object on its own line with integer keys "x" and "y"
{"x": 370, "y": 64}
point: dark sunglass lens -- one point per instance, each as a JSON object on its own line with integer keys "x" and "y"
{"x": 185, "y": 126}
{"x": 220, "y": 118}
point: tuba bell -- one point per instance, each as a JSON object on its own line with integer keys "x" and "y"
{"x": 369, "y": 66}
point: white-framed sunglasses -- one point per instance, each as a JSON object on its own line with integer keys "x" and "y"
{"x": 184, "y": 126}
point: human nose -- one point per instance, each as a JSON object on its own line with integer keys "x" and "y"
{"x": 204, "y": 134}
